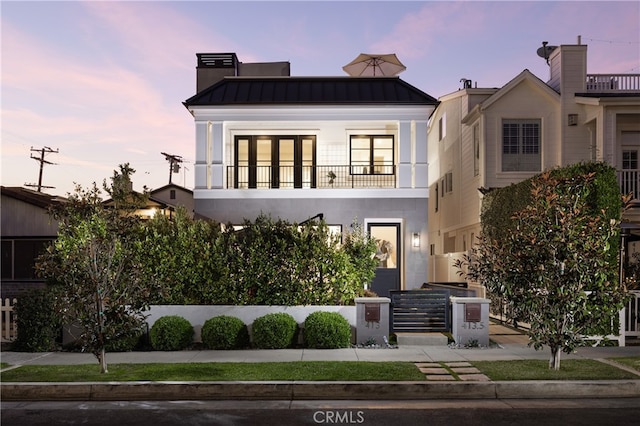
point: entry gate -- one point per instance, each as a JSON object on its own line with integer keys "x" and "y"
{"x": 420, "y": 311}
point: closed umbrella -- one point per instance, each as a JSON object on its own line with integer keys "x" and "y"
{"x": 368, "y": 64}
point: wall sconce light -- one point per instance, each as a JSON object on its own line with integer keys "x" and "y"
{"x": 415, "y": 239}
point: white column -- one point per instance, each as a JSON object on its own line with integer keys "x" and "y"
{"x": 404, "y": 155}
{"x": 216, "y": 143}
{"x": 421, "y": 167}
{"x": 201, "y": 164}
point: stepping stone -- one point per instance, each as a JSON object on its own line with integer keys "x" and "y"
{"x": 427, "y": 364}
{"x": 441, "y": 378}
{"x": 458, "y": 364}
{"x": 434, "y": 370}
{"x": 465, "y": 370}
{"x": 474, "y": 378}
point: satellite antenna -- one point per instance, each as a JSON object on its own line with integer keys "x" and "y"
{"x": 545, "y": 51}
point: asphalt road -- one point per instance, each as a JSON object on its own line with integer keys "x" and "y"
{"x": 541, "y": 412}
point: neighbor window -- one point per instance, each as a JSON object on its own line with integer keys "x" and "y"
{"x": 521, "y": 146}
{"x": 372, "y": 155}
{"x": 476, "y": 150}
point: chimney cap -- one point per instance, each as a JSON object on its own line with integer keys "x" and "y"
{"x": 217, "y": 60}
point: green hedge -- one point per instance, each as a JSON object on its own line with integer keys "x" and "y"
{"x": 327, "y": 330}
{"x": 37, "y": 321}
{"x": 171, "y": 333}
{"x": 225, "y": 332}
{"x": 275, "y": 331}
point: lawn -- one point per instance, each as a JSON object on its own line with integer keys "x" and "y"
{"x": 300, "y": 370}
{"x": 570, "y": 369}
{"x": 583, "y": 369}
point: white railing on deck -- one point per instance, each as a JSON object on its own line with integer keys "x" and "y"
{"x": 8, "y": 321}
{"x": 613, "y": 83}
{"x": 632, "y": 315}
{"x": 629, "y": 181}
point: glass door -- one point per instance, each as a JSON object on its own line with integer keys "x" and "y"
{"x": 389, "y": 256}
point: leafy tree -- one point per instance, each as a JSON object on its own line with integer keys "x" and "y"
{"x": 555, "y": 262}
{"x": 100, "y": 290}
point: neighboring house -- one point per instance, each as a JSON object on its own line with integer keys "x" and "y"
{"x": 163, "y": 200}
{"x": 347, "y": 148}
{"x": 172, "y": 196}
{"x": 27, "y": 229}
{"x": 492, "y": 137}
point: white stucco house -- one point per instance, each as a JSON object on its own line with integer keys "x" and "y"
{"x": 492, "y": 137}
{"x": 347, "y": 148}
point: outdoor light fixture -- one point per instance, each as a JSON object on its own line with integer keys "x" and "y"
{"x": 415, "y": 239}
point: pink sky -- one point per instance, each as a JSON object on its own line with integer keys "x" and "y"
{"x": 104, "y": 82}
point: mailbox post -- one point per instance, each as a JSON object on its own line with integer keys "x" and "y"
{"x": 470, "y": 321}
{"x": 372, "y": 319}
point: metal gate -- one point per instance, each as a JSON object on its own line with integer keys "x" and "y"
{"x": 420, "y": 311}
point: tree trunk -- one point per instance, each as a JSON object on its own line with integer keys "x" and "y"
{"x": 103, "y": 361}
{"x": 554, "y": 361}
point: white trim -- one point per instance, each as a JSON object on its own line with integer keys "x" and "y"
{"x": 298, "y": 193}
{"x": 315, "y": 113}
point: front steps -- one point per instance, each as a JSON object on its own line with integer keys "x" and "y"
{"x": 421, "y": 339}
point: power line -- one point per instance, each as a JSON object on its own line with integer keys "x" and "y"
{"x": 42, "y": 161}
{"x": 174, "y": 163}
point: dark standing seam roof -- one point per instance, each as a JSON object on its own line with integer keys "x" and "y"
{"x": 311, "y": 91}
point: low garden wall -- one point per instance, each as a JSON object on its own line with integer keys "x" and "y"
{"x": 198, "y": 314}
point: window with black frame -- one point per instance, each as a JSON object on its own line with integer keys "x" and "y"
{"x": 372, "y": 155}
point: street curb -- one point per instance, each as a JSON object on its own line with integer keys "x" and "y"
{"x": 304, "y": 390}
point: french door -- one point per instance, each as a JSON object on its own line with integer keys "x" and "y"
{"x": 275, "y": 162}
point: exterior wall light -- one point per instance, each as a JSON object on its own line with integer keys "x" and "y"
{"x": 415, "y": 239}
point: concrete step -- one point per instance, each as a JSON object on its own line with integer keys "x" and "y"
{"x": 421, "y": 339}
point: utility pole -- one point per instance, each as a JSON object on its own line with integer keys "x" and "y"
{"x": 42, "y": 161}
{"x": 174, "y": 163}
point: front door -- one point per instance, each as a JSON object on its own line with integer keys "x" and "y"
{"x": 389, "y": 254}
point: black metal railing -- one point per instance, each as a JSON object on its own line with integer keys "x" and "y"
{"x": 266, "y": 177}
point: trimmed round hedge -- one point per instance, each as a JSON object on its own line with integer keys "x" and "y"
{"x": 225, "y": 332}
{"x": 275, "y": 331}
{"x": 327, "y": 330}
{"x": 171, "y": 333}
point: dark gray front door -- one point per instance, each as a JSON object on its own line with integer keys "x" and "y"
{"x": 389, "y": 255}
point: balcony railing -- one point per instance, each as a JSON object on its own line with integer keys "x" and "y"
{"x": 266, "y": 177}
{"x": 613, "y": 83}
{"x": 629, "y": 181}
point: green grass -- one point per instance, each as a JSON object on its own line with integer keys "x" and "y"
{"x": 570, "y": 369}
{"x": 3, "y": 365}
{"x": 311, "y": 371}
{"x": 633, "y": 362}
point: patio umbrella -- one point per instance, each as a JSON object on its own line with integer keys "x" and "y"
{"x": 368, "y": 64}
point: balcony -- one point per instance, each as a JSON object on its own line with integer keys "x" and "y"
{"x": 613, "y": 83}
{"x": 338, "y": 177}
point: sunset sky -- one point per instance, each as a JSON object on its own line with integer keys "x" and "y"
{"x": 103, "y": 82}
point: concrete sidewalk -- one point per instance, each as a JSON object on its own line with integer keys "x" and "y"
{"x": 502, "y": 352}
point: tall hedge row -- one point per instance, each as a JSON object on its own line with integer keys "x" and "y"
{"x": 266, "y": 262}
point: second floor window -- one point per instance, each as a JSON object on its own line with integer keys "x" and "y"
{"x": 372, "y": 155}
{"x": 521, "y": 148}
{"x": 274, "y": 162}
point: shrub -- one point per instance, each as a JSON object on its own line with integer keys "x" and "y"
{"x": 274, "y": 331}
{"x": 327, "y": 330}
{"x": 225, "y": 332}
{"x": 171, "y": 333}
{"x": 36, "y": 320}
